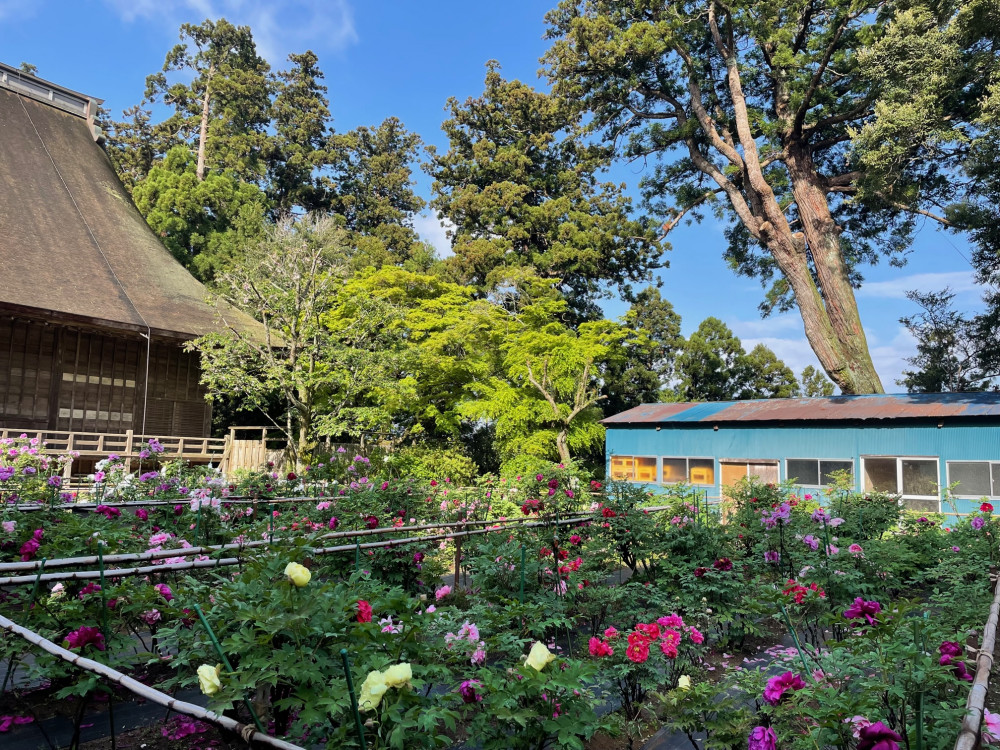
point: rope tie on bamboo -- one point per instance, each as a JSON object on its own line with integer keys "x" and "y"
{"x": 247, "y": 733}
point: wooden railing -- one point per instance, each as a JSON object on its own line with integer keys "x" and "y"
{"x": 126, "y": 445}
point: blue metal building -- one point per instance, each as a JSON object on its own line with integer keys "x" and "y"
{"x": 914, "y": 445}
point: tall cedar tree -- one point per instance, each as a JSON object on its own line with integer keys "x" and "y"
{"x": 713, "y": 366}
{"x": 298, "y": 149}
{"x": 645, "y": 366}
{"x": 372, "y": 188}
{"x": 749, "y": 107}
{"x": 522, "y": 192}
{"x": 221, "y": 97}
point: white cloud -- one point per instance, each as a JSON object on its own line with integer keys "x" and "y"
{"x": 435, "y": 231}
{"x": 890, "y": 357}
{"x": 279, "y": 28}
{"x": 957, "y": 281}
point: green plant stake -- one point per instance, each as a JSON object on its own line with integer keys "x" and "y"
{"x": 354, "y": 697}
{"x": 795, "y": 637}
{"x": 34, "y": 588}
{"x": 522, "y": 574}
{"x": 107, "y": 635}
{"x": 225, "y": 660}
{"x": 357, "y": 556}
{"x": 270, "y": 524}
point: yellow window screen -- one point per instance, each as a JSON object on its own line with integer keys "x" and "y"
{"x": 702, "y": 471}
{"x": 622, "y": 467}
{"x": 645, "y": 469}
{"x": 674, "y": 470}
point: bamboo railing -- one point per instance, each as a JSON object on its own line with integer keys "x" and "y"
{"x": 969, "y": 735}
{"x": 250, "y": 735}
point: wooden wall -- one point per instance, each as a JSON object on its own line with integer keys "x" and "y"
{"x": 61, "y": 378}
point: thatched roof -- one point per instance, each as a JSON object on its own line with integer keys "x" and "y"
{"x": 73, "y": 246}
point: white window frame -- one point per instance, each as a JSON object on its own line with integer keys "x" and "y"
{"x": 633, "y": 456}
{"x": 687, "y": 468}
{"x": 947, "y": 468}
{"x": 899, "y": 477}
{"x": 819, "y": 473}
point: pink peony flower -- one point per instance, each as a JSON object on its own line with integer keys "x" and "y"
{"x": 442, "y": 592}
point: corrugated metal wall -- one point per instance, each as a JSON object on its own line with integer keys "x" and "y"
{"x": 956, "y": 442}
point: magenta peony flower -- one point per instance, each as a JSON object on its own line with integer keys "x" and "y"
{"x": 772, "y": 556}
{"x": 142, "y": 514}
{"x": 863, "y": 609}
{"x": 81, "y": 637}
{"x": 165, "y": 591}
{"x": 778, "y": 686}
{"x": 762, "y": 738}
{"x": 878, "y": 737}
{"x": 949, "y": 650}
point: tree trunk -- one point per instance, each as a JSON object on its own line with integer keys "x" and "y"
{"x": 562, "y": 445}
{"x": 833, "y": 326}
{"x": 203, "y": 133}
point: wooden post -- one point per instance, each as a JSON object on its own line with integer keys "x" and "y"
{"x": 129, "y": 438}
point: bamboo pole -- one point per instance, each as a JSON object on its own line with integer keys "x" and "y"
{"x": 968, "y": 736}
{"x": 67, "y": 562}
{"x": 248, "y": 733}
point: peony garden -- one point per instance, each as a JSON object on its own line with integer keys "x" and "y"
{"x": 343, "y": 607}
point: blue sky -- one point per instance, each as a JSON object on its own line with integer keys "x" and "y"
{"x": 405, "y": 59}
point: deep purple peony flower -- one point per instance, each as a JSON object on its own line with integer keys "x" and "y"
{"x": 878, "y": 737}
{"x": 762, "y": 738}
{"x": 861, "y": 608}
{"x": 772, "y": 556}
{"x": 778, "y": 686}
{"x": 468, "y": 691}
{"x": 84, "y": 636}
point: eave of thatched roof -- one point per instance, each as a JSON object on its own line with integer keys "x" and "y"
{"x": 72, "y": 243}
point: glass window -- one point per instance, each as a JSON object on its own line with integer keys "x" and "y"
{"x": 973, "y": 477}
{"x": 645, "y": 469}
{"x": 826, "y": 469}
{"x": 995, "y": 470}
{"x": 702, "y": 471}
{"x": 804, "y": 471}
{"x": 880, "y": 475}
{"x": 920, "y": 476}
{"x": 674, "y": 470}
{"x": 622, "y": 467}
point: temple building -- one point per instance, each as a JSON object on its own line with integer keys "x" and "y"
{"x": 94, "y": 310}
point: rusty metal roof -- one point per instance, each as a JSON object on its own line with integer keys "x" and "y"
{"x": 834, "y": 408}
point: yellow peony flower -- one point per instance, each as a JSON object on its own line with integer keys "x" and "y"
{"x": 208, "y": 679}
{"x": 684, "y": 682}
{"x": 398, "y": 675}
{"x": 539, "y": 656}
{"x": 372, "y": 690}
{"x": 297, "y": 574}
